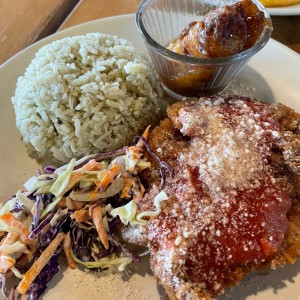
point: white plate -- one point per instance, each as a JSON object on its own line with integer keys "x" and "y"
{"x": 291, "y": 10}
{"x": 272, "y": 75}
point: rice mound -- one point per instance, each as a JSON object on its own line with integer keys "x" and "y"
{"x": 85, "y": 94}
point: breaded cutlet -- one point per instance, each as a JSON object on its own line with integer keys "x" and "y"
{"x": 234, "y": 202}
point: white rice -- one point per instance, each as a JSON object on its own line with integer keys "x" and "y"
{"x": 85, "y": 94}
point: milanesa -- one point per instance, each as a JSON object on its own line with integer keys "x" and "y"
{"x": 234, "y": 200}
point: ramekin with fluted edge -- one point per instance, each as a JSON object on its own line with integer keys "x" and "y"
{"x": 160, "y": 22}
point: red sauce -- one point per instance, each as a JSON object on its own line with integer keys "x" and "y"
{"x": 212, "y": 225}
{"x": 255, "y": 230}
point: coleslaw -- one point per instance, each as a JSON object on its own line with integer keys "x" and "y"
{"x": 74, "y": 210}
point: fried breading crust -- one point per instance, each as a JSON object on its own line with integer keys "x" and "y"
{"x": 169, "y": 143}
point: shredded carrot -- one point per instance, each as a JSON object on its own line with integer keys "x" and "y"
{"x": 63, "y": 202}
{"x": 67, "y": 246}
{"x": 10, "y": 220}
{"x": 6, "y": 263}
{"x": 135, "y": 152}
{"x": 145, "y": 136}
{"x": 81, "y": 215}
{"x": 109, "y": 176}
{"x": 92, "y": 165}
{"x": 39, "y": 264}
{"x": 96, "y": 214}
{"x": 74, "y": 178}
{"x": 127, "y": 188}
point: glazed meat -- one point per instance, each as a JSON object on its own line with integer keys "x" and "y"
{"x": 222, "y": 32}
{"x": 234, "y": 200}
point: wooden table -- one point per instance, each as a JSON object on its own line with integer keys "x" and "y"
{"x": 23, "y": 22}
{"x": 18, "y": 27}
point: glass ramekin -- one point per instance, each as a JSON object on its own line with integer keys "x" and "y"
{"x": 160, "y": 22}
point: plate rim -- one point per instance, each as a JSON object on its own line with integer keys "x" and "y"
{"x": 289, "y": 10}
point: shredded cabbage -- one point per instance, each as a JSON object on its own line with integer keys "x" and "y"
{"x": 85, "y": 180}
{"x": 114, "y": 188}
{"x": 16, "y": 247}
{"x": 130, "y": 161}
{"x": 59, "y": 187}
{"x": 40, "y": 184}
{"x": 160, "y": 197}
{"x": 61, "y": 182}
{"x": 78, "y": 162}
{"x": 30, "y": 184}
{"x": 58, "y": 216}
{"x": 25, "y": 202}
{"x": 146, "y": 252}
{"x": 120, "y": 262}
{"x": 128, "y": 213}
{"x": 12, "y": 229}
{"x": 17, "y": 273}
{"x": 43, "y": 190}
{"x": 9, "y": 206}
{"x": 50, "y": 207}
{"x": 143, "y": 164}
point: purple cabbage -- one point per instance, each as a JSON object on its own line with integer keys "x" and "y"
{"x": 17, "y": 207}
{"x": 42, "y": 225}
{"x": 162, "y": 164}
{"x": 106, "y": 252}
{"x": 114, "y": 223}
{"x": 49, "y": 170}
{"x": 101, "y": 156}
{"x": 102, "y": 251}
{"x": 4, "y": 290}
{"x": 47, "y": 237}
{"x": 83, "y": 250}
{"x": 81, "y": 242}
{"x": 114, "y": 240}
{"x": 47, "y": 199}
{"x": 39, "y": 285}
{"x": 39, "y": 209}
{"x": 75, "y": 234}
